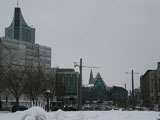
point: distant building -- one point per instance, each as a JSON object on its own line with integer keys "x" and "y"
{"x": 99, "y": 81}
{"x": 100, "y": 89}
{"x": 67, "y": 85}
{"x": 150, "y": 87}
{"x": 119, "y": 95}
{"x": 19, "y": 29}
{"x": 138, "y": 96}
{"x": 91, "y": 79}
{"x": 87, "y": 95}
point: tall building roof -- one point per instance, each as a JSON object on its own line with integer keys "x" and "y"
{"x": 65, "y": 70}
{"x": 91, "y": 79}
{"x": 98, "y": 76}
{"x": 99, "y": 81}
{"x": 19, "y": 29}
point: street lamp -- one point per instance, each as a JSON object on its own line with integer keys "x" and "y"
{"x": 79, "y": 84}
{"x": 47, "y": 95}
{"x": 133, "y": 103}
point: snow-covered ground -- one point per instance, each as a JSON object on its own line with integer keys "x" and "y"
{"x": 36, "y": 113}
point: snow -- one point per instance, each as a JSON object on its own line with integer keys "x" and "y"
{"x": 37, "y": 113}
{"x": 88, "y": 85}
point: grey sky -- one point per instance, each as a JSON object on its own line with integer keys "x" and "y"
{"x": 116, "y": 35}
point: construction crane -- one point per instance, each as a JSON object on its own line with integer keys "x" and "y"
{"x": 77, "y": 64}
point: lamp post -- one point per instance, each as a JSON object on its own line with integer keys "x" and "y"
{"x": 133, "y": 101}
{"x": 79, "y": 84}
{"x": 47, "y": 95}
{"x": 80, "y": 81}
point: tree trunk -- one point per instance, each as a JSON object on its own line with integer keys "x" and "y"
{"x": 33, "y": 100}
{"x": 17, "y": 102}
{"x": 0, "y": 102}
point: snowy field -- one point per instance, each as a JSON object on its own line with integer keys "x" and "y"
{"x": 37, "y": 113}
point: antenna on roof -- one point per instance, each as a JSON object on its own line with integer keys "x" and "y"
{"x": 17, "y": 3}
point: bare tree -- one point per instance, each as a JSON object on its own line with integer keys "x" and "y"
{"x": 3, "y": 56}
{"x": 2, "y": 85}
{"x": 15, "y": 81}
{"x": 35, "y": 83}
{"x": 19, "y": 77}
{"x": 51, "y": 81}
{"x": 12, "y": 73}
{"x": 60, "y": 89}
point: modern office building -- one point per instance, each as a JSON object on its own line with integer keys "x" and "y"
{"x": 67, "y": 84}
{"x": 19, "y": 29}
{"x": 18, "y": 50}
{"x": 18, "y": 47}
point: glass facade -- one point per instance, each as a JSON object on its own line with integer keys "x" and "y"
{"x": 69, "y": 80}
{"x": 17, "y": 24}
{"x": 19, "y": 29}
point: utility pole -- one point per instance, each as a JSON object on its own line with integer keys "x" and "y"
{"x": 133, "y": 100}
{"x": 80, "y": 85}
{"x": 80, "y": 82}
{"x": 133, "y": 90}
{"x": 79, "y": 91}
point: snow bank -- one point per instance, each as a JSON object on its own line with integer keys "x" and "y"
{"x": 37, "y": 113}
{"x": 34, "y": 113}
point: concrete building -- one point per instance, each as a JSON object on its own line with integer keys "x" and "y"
{"x": 21, "y": 53}
{"x": 119, "y": 95}
{"x": 18, "y": 50}
{"x": 150, "y": 87}
{"x": 18, "y": 46}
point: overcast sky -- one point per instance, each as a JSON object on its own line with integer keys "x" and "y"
{"x": 115, "y": 35}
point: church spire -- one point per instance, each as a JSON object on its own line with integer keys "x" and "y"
{"x": 91, "y": 79}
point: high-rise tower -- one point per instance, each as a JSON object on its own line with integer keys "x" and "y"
{"x": 19, "y": 29}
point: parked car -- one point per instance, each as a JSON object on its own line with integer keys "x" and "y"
{"x": 19, "y": 108}
{"x": 70, "y": 108}
{"x": 88, "y": 107}
{"x": 56, "y": 105}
